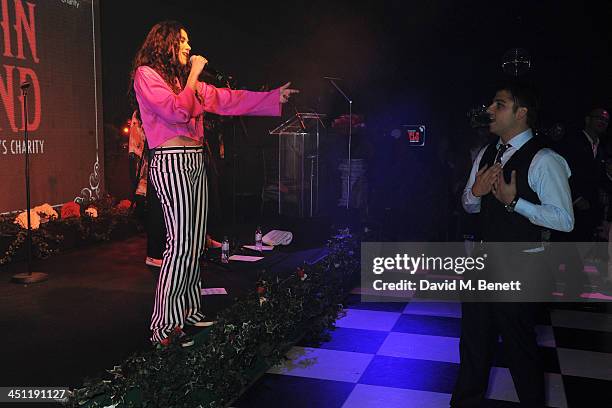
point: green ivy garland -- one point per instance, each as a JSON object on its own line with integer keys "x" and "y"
{"x": 250, "y": 336}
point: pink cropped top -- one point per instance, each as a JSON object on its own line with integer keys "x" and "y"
{"x": 166, "y": 115}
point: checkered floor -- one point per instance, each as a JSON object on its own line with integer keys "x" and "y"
{"x": 407, "y": 355}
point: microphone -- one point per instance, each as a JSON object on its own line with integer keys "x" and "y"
{"x": 479, "y": 116}
{"x": 25, "y": 85}
{"x": 211, "y": 72}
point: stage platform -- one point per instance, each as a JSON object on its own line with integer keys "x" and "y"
{"x": 94, "y": 310}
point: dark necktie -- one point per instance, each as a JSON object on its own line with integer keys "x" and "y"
{"x": 500, "y": 152}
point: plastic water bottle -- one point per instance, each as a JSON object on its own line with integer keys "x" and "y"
{"x": 258, "y": 239}
{"x": 225, "y": 251}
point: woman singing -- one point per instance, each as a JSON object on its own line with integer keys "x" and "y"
{"x": 171, "y": 101}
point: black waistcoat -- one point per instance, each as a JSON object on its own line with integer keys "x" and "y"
{"x": 497, "y": 224}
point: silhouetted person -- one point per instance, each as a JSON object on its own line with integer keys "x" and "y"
{"x": 585, "y": 158}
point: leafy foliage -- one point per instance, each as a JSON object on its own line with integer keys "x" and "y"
{"x": 50, "y": 238}
{"x": 250, "y": 336}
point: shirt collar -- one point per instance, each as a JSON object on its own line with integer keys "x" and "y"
{"x": 519, "y": 140}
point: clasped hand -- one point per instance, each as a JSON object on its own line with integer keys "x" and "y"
{"x": 491, "y": 180}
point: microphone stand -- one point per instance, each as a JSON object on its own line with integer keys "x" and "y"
{"x": 229, "y": 82}
{"x": 29, "y": 276}
{"x": 235, "y": 154}
{"x": 350, "y": 102}
{"x": 235, "y": 164}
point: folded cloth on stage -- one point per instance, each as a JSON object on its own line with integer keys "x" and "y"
{"x": 277, "y": 237}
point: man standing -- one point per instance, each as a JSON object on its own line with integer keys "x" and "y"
{"x": 517, "y": 187}
{"x": 585, "y": 156}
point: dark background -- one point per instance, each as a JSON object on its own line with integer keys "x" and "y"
{"x": 424, "y": 59}
{"x": 401, "y": 62}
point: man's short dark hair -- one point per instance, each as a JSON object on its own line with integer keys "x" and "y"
{"x": 523, "y": 96}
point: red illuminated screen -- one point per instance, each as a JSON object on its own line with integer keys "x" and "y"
{"x": 414, "y": 134}
{"x": 52, "y": 45}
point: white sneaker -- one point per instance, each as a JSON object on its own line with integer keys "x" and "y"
{"x": 157, "y": 263}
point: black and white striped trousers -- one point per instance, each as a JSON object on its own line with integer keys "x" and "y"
{"x": 179, "y": 177}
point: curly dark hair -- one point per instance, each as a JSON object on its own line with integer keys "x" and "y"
{"x": 160, "y": 52}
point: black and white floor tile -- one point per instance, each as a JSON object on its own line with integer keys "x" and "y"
{"x": 407, "y": 355}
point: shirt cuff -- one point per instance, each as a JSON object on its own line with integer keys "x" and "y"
{"x": 525, "y": 208}
{"x": 471, "y": 198}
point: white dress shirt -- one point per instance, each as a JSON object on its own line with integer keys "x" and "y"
{"x": 548, "y": 177}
